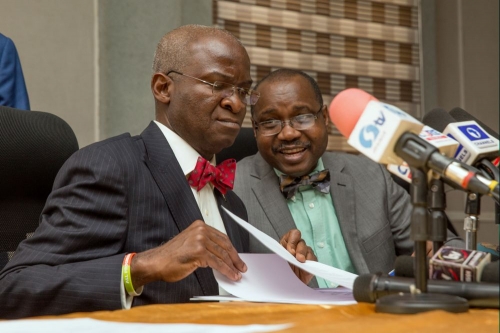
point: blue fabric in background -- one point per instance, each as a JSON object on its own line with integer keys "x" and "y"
{"x": 13, "y": 91}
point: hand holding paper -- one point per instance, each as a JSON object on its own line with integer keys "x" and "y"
{"x": 332, "y": 274}
{"x": 292, "y": 241}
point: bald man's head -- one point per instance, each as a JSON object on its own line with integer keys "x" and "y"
{"x": 172, "y": 50}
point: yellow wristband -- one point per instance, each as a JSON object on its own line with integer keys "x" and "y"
{"x": 127, "y": 277}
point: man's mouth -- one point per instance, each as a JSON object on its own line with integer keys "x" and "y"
{"x": 229, "y": 123}
{"x": 293, "y": 150}
{"x": 296, "y": 148}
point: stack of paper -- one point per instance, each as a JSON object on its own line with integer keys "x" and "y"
{"x": 270, "y": 279}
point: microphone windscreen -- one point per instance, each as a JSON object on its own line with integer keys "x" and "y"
{"x": 461, "y": 115}
{"x": 346, "y": 108}
{"x": 362, "y": 287}
{"x": 438, "y": 119}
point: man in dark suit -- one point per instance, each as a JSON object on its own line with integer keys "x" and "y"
{"x": 122, "y": 218}
{"x": 347, "y": 207}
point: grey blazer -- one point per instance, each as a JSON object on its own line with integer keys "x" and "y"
{"x": 373, "y": 211}
{"x": 124, "y": 194}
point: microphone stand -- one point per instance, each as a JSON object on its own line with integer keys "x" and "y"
{"x": 437, "y": 205}
{"x": 419, "y": 226}
{"x": 418, "y": 300}
{"x": 471, "y": 221}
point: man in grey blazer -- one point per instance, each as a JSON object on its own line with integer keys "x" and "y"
{"x": 359, "y": 221}
{"x": 123, "y": 221}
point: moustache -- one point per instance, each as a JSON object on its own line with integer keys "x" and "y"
{"x": 294, "y": 145}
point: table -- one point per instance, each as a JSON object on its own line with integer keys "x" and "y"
{"x": 305, "y": 318}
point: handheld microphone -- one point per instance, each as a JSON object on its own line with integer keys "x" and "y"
{"x": 446, "y": 145}
{"x": 386, "y": 134}
{"x": 475, "y": 142}
{"x": 461, "y": 115}
{"x": 370, "y": 287}
{"x": 371, "y": 127}
{"x": 476, "y": 148}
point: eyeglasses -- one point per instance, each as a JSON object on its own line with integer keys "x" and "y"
{"x": 300, "y": 123}
{"x": 246, "y": 96}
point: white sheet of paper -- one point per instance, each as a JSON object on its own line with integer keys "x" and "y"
{"x": 269, "y": 278}
{"x": 335, "y": 275}
{"x": 85, "y": 325}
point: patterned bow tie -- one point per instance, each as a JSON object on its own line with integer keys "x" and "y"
{"x": 320, "y": 181}
{"x": 221, "y": 176}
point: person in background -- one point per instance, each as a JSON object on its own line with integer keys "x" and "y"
{"x": 348, "y": 208}
{"x": 139, "y": 218}
{"x": 13, "y": 91}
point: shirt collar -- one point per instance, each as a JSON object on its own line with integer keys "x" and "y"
{"x": 184, "y": 153}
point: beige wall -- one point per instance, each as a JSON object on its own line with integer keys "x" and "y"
{"x": 467, "y": 77}
{"x": 89, "y": 61}
{"x": 56, "y": 45}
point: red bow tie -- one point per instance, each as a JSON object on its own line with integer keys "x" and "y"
{"x": 221, "y": 176}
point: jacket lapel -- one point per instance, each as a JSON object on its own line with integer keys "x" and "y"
{"x": 167, "y": 172}
{"x": 270, "y": 197}
{"x": 237, "y": 235}
{"x": 344, "y": 201}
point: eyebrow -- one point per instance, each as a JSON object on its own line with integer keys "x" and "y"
{"x": 226, "y": 78}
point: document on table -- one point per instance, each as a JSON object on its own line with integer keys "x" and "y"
{"x": 269, "y": 278}
{"x": 332, "y": 274}
{"x": 84, "y": 325}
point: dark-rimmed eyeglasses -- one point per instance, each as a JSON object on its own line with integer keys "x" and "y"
{"x": 246, "y": 96}
{"x": 300, "y": 123}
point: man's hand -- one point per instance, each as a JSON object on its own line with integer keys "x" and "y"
{"x": 294, "y": 244}
{"x": 199, "y": 245}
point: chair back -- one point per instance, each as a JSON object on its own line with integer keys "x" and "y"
{"x": 244, "y": 145}
{"x": 33, "y": 147}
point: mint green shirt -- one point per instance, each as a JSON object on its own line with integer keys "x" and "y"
{"x": 315, "y": 217}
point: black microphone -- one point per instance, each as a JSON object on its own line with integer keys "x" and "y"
{"x": 461, "y": 115}
{"x": 403, "y": 267}
{"x": 471, "y": 149}
{"x": 476, "y": 148}
{"x": 438, "y": 119}
{"x": 370, "y": 287}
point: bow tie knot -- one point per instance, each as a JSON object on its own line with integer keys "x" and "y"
{"x": 221, "y": 176}
{"x": 320, "y": 181}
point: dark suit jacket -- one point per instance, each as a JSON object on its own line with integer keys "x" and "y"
{"x": 12, "y": 87}
{"x": 124, "y": 194}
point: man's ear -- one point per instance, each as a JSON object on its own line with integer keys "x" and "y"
{"x": 325, "y": 115}
{"x": 161, "y": 86}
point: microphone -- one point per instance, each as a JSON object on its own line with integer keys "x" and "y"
{"x": 446, "y": 145}
{"x": 475, "y": 142}
{"x": 403, "y": 267}
{"x": 476, "y": 148}
{"x": 386, "y": 134}
{"x": 461, "y": 115}
{"x": 369, "y": 288}
{"x": 371, "y": 127}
